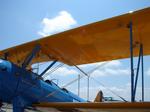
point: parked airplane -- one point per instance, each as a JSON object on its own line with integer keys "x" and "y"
{"x": 115, "y": 38}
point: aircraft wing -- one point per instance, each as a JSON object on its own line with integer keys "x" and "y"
{"x": 87, "y": 107}
{"x": 100, "y": 41}
{"x": 94, "y": 107}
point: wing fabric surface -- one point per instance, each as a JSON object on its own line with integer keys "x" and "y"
{"x": 96, "y": 42}
{"x": 96, "y": 107}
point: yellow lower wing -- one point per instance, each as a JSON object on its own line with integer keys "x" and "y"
{"x": 95, "y": 107}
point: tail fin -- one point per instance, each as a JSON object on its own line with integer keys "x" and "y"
{"x": 99, "y": 97}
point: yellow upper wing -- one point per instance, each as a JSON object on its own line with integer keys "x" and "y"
{"x": 100, "y": 41}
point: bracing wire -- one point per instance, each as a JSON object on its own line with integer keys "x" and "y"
{"x": 102, "y": 85}
{"x": 88, "y": 74}
{"x": 73, "y": 81}
{"x": 53, "y": 70}
{"x": 108, "y": 89}
{"x": 82, "y": 76}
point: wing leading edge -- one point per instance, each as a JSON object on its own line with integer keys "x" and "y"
{"x": 96, "y": 42}
{"x": 97, "y": 107}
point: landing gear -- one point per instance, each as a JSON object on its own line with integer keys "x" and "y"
{"x": 1, "y": 104}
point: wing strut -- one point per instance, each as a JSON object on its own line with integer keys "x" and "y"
{"x": 6, "y": 56}
{"x": 48, "y": 68}
{"x": 131, "y": 61}
{"x": 142, "y": 69}
{"x": 30, "y": 56}
{"x": 134, "y": 79}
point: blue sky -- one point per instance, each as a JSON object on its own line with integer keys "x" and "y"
{"x": 25, "y": 20}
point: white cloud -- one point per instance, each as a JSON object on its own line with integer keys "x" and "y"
{"x": 148, "y": 72}
{"x": 108, "y": 69}
{"x": 114, "y": 63}
{"x": 63, "y": 21}
{"x": 124, "y": 92}
{"x": 111, "y": 68}
{"x": 110, "y": 72}
{"x": 64, "y": 71}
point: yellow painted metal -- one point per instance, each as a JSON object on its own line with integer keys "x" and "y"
{"x": 1, "y": 53}
{"x": 95, "y": 107}
{"x": 96, "y": 42}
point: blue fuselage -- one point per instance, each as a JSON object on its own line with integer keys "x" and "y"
{"x": 28, "y": 88}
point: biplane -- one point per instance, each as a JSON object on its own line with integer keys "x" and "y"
{"x": 124, "y": 36}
